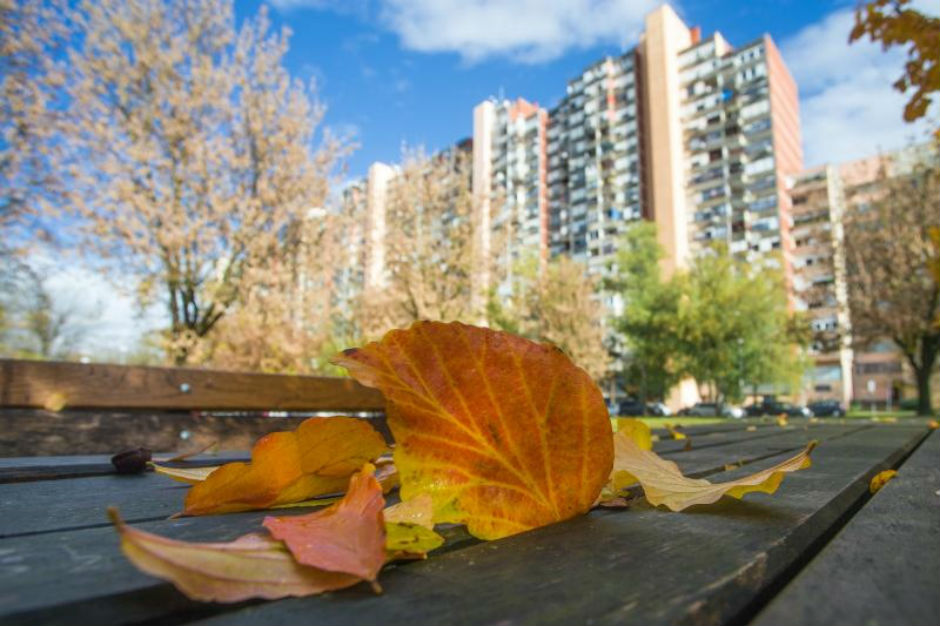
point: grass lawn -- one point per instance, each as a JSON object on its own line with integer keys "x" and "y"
{"x": 660, "y": 422}
{"x": 866, "y": 414}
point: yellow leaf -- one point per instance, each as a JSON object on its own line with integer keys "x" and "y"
{"x": 636, "y": 429}
{"x": 252, "y": 566}
{"x": 880, "y": 480}
{"x": 419, "y": 510}
{"x": 55, "y": 402}
{"x": 751, "y": 428}
{"x": 782, "y": 420}
{"x": 316, "y": 459}
{"x": 673, "y": 432}
{"x": 404, "y": 540}
{"x": 191, "y": 475}
{"x": 663, "y": 482}
{"x": 933, "y": 424}
{"x": 505, "y": 434}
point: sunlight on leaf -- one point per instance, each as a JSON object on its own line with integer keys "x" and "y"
{"x": 252, "y": 566}
{"x": 663, "y": 482}
{"x": 419, "y": 510}
{"x": 190, "y": 475}
{"x": 404, "y": 540}
{"x": 316, "y": 459}
{"x": 505, "y": 434}
{"x": 881, "y": 479}
{"x": 348, "y": 537}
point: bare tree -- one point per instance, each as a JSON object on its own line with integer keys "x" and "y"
{"x": 193, "y": 152}
{"x": 38, "y": 322}
{"x": 892, "y": 266}
{"x": 559, "y": 303}
{"x": 430, "y": 247}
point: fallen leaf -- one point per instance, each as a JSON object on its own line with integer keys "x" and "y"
{"x": 55, "y": 401}
{"x": 348, "y": 537}
{"x": 638, "y": 430}
{"x": 881, "y": 479}
{"x": 191, "y": 475}
{"x": 387, "y": 475}
{"x": 674, "y": 432}
{"x": 419, "y": 510}
{"x": 316, "y": 459}
{"x": 751, "y": 428}
{"x": 252, "y": 566}
{"x": 404, "y": 540}
{"x": 782, "y": 420}
{"x": 933, "y": 424}
{"x": 505, "y": 434}
{"x": 663, "y": 482}
{"x": 196, "y": 451}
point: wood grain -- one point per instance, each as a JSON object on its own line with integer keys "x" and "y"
{"x": 882, "y": 568}
{"x": 58, "y": 385}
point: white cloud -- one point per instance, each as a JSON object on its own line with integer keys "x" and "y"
{"x": 108, "y": 316}
{"x": 848, "y": 107}
{"x": 527, "y": 31}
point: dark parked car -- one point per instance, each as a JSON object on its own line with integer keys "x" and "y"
{"x": 635, "y": 407}
{"x": 777, "y": 408}
{"x": 712, "y": 409}
{"x": 826, "y": 408}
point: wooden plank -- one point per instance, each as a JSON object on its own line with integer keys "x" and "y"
{"x": 29, "y": 432}
{"x": 642, "y": 566}
{"x": 882, "y": 569}
{"x": 28, "y": 469}
{"x": 93, "y": 581}
{"x": 38, "y": 384}
{"x": 48, "y": 506}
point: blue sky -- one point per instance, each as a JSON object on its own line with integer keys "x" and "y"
{"x": 410, "y": 71}
{"x": 394, "y": 71}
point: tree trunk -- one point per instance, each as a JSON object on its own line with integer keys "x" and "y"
{"x": 923, "y": 391}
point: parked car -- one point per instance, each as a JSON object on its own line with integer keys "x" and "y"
{"x": 826, "y": 408}
{"x": 635, "y": 407}
{"x": 658, "y": 409}
{"x": 712, "y": 409}
{"x": 772, "y": 407}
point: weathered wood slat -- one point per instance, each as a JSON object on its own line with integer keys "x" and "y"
{"x": 36, "y": 432}
{"x": 28, "y": 469}
{"x": 107, "y": 580}
{"x": 883, "y": 568}
{"x": 643, "y": 566}
{"x": 37, "y": 384}
{"x": 47, "y": 506}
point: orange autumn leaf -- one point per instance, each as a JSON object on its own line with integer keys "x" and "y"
{"x": 348, "y": 537}
{"x": 316, "y": 459}
{"x": 503, "y": 433}
{"x": 252, "y": 566}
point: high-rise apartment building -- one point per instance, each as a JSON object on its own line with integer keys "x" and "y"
{"x": 818, "y": 282}
{"x": 690, "y": 133}
{"x": 594, "y": 185}
{"x": 822, "y": 198}
{"x": 509, "y": 180}
{"x": 741, "y": 123}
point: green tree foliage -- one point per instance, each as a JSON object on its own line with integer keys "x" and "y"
{"x": 735, "y": 329}
{"x": 724, "y": 322}
{"x": 649, "y": 321}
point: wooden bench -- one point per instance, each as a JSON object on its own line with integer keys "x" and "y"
{"x": 823, "y": 550}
